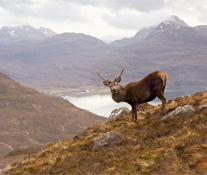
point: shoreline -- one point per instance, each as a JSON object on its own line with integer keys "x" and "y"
{"x": 171, "y": 92}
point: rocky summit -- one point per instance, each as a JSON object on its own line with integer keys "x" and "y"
{"x": 174, "y": 145}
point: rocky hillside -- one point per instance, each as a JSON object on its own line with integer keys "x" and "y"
{"x": 32, "y": 118}
{"x": 171, "y": 143}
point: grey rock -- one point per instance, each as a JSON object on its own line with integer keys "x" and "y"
{"x": 107, "y": 139}
{"x": 201, "y": 108}
{"x": 4, "y": 170}
{"x": 117, "y": 113}
{"x": 187, "y": 109}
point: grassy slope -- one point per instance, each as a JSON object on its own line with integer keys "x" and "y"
{"x": 32, "y": 118}
{"x": 152, "y": 146}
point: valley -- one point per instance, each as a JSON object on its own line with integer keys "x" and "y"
{"x": 99, "y": 101}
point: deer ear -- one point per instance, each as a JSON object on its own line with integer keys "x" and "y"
{"x": 106, "y": 82}
{"x": 117, "y": 79}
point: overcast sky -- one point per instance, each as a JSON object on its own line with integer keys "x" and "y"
{"x": 104, "y": 19}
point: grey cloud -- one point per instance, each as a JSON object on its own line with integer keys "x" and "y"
{"x": 139, "y": 5}
{"x": 133, "y": 21}
{"x": 64, "y": 11}
{"x": 116, "y": 15}
{"x": 18, "y": 7}
{"x": 6, "y": 3}
{"x": 123, "y": 21}
{"x": 50, "y": 10}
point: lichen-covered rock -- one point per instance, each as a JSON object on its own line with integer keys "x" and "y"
{"x": 107, "y": 139}
{"x": 187, "y": 109}
{"x": 117, "y": 113}
{"x": 201, "y": 108}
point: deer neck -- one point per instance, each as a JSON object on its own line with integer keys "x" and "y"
{"x": 120, "y": 96}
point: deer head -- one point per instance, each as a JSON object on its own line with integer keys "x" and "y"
{"x": 114, "y": 85}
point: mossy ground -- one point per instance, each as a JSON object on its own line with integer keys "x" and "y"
{"x": 151, "y": 146}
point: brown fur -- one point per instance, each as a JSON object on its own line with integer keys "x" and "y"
{"x": 135, "y": 93}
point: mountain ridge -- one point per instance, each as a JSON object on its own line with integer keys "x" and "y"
{"x": 71, "y": 60}
{"x": 144, "y": 32}
{"x": 24, "y": 32}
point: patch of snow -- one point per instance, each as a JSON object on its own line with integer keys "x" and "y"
{"x": 167, "y": 22}
{"x": 12, "y": 32}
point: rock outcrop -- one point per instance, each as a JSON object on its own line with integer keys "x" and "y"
{"x": 107, "y": 139}
{"x": 201, "y": 108}
{"x": 187, "y": 109}
{"x": 117, "y": 113}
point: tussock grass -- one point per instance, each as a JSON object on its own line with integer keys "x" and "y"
{"x": 151, "y": 146}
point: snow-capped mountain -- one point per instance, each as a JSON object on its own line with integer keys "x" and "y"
{"x": 169, "y": 28}
{"x": 47, "y": 32}
{"x": 24, "y": 32}
{"x": 172, "y": 21}
{"x": 177, "y": 20}
{"x": 174, "y": 28}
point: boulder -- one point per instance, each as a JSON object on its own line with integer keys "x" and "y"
{"x": 4, "y": 170}
{"x": 185, "y": 110}
{"x": 201, "y": 108}
{"x": 107, "y": 139}
{"x": 117, "y": 113}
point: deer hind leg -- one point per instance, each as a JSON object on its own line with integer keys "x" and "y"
{"x": 160, "y": 95}
{"x": 163, "y": 99}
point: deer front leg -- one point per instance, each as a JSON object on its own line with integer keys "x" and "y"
{"x": 134, "y": 113}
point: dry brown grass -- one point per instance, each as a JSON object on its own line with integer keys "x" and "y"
{"x": 151, "y": 146}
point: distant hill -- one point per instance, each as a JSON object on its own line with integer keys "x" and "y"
{"x": 52, "y": 61}
{"x": 71, "y": 59}
{"x": 24, "y": 32}
{"x": 32, "y": 118}
{"x": 176, "y": 145}
{"x": 139, "y": 36}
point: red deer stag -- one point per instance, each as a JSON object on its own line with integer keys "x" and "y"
{"x": 135, "y": 93}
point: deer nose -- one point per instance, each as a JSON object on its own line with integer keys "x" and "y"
{"x": 114, "y": 90}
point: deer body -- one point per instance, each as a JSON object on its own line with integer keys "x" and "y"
{"x": 135, "y": 93}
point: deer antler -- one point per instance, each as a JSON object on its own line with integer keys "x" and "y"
{"x": 101, "y": 76}
{"x": 120, "y": 74}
